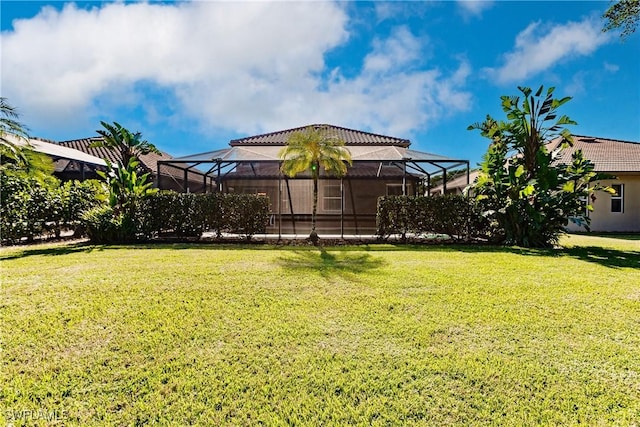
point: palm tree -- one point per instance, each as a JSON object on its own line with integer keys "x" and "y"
{"x": 11, "y": 130}
{"x": 310, "y": 150}
{"x": 17, "y": 156}
{"x": 128, "y": 144}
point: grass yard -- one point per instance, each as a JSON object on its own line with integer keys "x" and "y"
{"x": 368, "y": 335}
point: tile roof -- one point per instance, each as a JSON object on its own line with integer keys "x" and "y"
{"x": 148, "y": 161}
{"x": 349, "y": 136}
{"x": 607, "y": 155}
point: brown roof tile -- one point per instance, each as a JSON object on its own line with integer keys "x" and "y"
{"x": 607, "y": 155}
{"x": 148, "y": 161}
{"x": 349, "y": 136}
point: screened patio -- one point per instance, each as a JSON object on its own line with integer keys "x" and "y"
{"x": 381, "y": 166}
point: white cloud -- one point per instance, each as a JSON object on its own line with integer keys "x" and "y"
{"x": 396, "y": 52}
{"x": 612, "y": 68}
{"x": 245, "y": 67}
{"x": 474, "y": 7}
{"x": 539, "y": 47}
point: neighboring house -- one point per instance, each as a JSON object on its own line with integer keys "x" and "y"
{"x": 457, "y": 184}
{"x": 382, "y": 165}
{"x": 167, "y": 179}
{"x": 619, "y": 212}
{"x": 68, "y": 163}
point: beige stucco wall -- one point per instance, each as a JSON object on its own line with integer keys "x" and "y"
{"x": 603, "y": 220}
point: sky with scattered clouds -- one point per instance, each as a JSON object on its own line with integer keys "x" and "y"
{"x": 192, "y": 75}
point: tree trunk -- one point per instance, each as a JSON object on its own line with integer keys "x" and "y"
{"x": 314, "y": 236}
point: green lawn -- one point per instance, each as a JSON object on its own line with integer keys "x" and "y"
{"x": 369, "y": 335}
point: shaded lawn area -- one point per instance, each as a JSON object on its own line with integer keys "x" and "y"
{"x": 380, "y": 334}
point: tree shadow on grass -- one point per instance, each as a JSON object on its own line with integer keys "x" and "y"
{"x": 612, "y": 258}
{"x": 617, "y": 236}
{"x": 15, "y": 253}
{"x": 87, "y": 247}
{"x": 349, "y": 260}
{"x": 347, "y": 264}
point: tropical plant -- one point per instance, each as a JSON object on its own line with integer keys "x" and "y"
{"x": 126, "y": 185}
{"x": 17, "y": 156}
{"x": 126, "y": 188}
{"x": 127, "y": 144}
{"x": 10, "y": 131}
{"x": 625, "y": 14}
{"x": 528, "y": 197}
{"x": 312, "y": 150}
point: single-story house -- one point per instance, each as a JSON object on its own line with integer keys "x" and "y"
{"x": 168, "y": 179}
{"x": 456, "y": 184}
{"x": 619, "y": 212}
{"x": 67, "y": 162}
{"x": 382, "y": 165}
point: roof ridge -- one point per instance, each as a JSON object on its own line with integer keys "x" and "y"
{"x": 605, "y": 139}
{"x": 247, "y": 139}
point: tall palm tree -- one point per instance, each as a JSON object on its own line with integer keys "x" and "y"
{"x": 310, "y": 150}
{"x": 128, "y": 144}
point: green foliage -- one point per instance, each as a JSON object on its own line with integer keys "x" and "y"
{"x": 188, "y": 215}
{"x": 32, "y": 208}
{"x": 126, "y": 190}
{"x": 16, "y": 154}
{"x": 168, "y": 212}
{"x": 523, "y": 193}
{"x": 129, "y": 145}
{"x": 11, "y": 131}
{"x": 104, "y": 226}
{"x": 310, "y": 150}
{"x": 623, "y": 14}
{"x": 245, "y": 214}
{"x": 126, "y": 186}
{"x": 453, "y": 215}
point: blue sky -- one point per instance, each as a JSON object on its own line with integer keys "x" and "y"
{"x": 193, "y": 75}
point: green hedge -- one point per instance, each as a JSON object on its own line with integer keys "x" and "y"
{"x": 453, "y": 215}
{"x": 189, "y": 215}
{"x": 30, "y": 208}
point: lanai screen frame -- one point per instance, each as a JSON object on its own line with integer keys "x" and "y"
{"x": 221, "y": 168}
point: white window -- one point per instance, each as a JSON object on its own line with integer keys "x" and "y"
{"x": 617, "y": 199}
{"x": 332, "y": 198}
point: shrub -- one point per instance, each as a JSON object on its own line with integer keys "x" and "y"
{"x": 14, "y": 197}
{"x": 103, "y": 225}
{"x": 189, "y": 215}
{"x": 78, "y": 197}
{"x": 453, "y": 215}
{"x": 245, "y": 214}
{"x": 30, "y": 207}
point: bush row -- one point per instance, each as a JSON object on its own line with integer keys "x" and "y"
{"x": 453, "y": 215}
{"x": 29, "y": 207}
{"x": 189, "y": 215}
{"x": 182, "y": 215}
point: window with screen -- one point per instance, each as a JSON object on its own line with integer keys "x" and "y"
{"x": 332, "y": 198}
